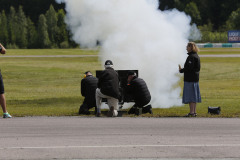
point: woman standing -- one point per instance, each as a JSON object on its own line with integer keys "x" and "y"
{"x": 191, "y": 91}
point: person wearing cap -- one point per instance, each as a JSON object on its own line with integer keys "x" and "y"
{"x": 88, "y": 89}
{"x": 108, "y": 87}
{"x": 2, "y": 96}
{"x": 138, "y": 89}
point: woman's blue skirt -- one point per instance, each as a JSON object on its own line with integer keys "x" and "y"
{"x": 191, "y": 93}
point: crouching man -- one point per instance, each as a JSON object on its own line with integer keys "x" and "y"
{"x": 88, "y": 90}
{"x": 108, "y": 87}
{"x": 138, "y": 89}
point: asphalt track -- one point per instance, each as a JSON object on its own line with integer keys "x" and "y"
{"x": 38, "y": 138}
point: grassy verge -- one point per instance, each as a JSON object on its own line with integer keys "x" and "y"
{"x": 44, "y": 86}
{"x": 51, "y": 86}
{"x": 219, "y": 51}
{"x": 219, "y": 86}
{"x": 16, "y": 52}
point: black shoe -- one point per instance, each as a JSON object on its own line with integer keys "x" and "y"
{"x": 98, "y": 115}
{"x": 191, "y": 115}
{"x": 148, "y": 109}
{"x": 132, "y": 110}
{"x": 87, "y": 113}
{"x": 138, "y": 111}
{"x": 84, "y": 111}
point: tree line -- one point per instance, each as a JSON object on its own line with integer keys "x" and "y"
{"x": 19, "y": 31}
{"x": 213, "y": 17}
{"x": 203, "y": 12}
{"x": 40, "y": 23}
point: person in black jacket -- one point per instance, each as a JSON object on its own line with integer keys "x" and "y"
{"x": 88, "y": 90}
{"x": 138, "y": 89}
{"x": 191, "y": 91}
{"x": 108, "y": 87}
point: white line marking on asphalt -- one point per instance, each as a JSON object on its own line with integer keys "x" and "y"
{"x": 126, "y": 146}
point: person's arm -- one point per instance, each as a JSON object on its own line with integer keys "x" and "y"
{"x": 192, "y": 65}
{"x": 130, "y": 87}
{"x": 101, "y": 78}
{"x": 83, "y": 88}
{"x": 2, "y": 49}
{"x": 188, "y": 66}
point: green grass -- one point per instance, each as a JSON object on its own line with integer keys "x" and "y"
{"x": 219, "y": 86}
{"x": 15, "y": 52}
{"x": 219, "y": 51}
{"x": 44, "y": 86}
{"x": 51, "y": 86}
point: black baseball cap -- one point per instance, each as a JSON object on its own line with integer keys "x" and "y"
{"x": 108, "y": 62}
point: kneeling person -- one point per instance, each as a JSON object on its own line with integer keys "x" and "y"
{"x": 88, "y": 89}
{"x": 138, "y": 89}
{"x": 108, "y": 87}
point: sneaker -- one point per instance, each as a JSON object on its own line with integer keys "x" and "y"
{"x": 111, "y": 112}
{"x": 6, "y": 115}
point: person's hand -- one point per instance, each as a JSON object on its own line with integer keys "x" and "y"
{"x": 179, "y": 66}
{"x": 129, "y": 79}
{"x": 3, "y": 51}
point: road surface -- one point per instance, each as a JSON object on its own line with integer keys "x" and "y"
{"x": 119, "y": 138}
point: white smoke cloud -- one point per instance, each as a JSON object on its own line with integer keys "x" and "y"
{"x": 195, "y": 34}
{"x": 134, "y": 34}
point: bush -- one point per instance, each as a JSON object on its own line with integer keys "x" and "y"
{"x": 214, "y": 37}
{"x": 12, "y": 46}
{"x": 64, "y": 44}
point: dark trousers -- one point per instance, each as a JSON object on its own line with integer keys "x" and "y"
{"x": 1, "y": 84}
{"x": 84, "y": 109}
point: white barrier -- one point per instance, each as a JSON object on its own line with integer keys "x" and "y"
{"x": 218, "y": 45}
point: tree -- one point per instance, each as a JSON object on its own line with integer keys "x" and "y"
{"x": 179, "y": 5}
{"x": 62, "y": 35}
{"x": 21, "y": 29}
{"x": 192, "y": 10}
{"x": 4, "y": 31}
{"x": 43, "y": 38}
{"x": 12, "y": 23}
{"x": 52, "y": 28}
{"x": 32, "y": 8}
{"x": 31, "y": 34}
{"x": 166, "y": 4}
{"x": 233, "y": 22}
